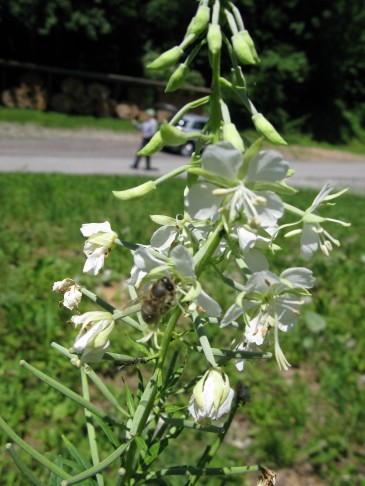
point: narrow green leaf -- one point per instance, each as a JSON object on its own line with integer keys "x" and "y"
{"x": 112, "y": 438}
{"x": 141, "y": 444}
{"x": 98, "y": 468}
{"x": 66, "y": 391}
{"x": 130, "y": 400}
{"x": 24, "y": 470}
{"x": 76, "y": 454}
{"x": 31, "y": 451}
{"x": 140, "y": 389}
{"x": 203, "y": 339}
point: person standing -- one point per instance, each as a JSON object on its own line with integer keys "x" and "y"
{"x": 148, "y": 127}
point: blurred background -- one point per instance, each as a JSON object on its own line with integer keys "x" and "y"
{"x": 89, "y": 57}
{"x": 86, "y": 60}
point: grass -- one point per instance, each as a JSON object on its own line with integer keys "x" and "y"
{"x": 51, "y": 119}
{"x": 308, "y": 419}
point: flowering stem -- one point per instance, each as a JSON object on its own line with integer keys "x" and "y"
{"x": 90, "y": 427}
{"x": 202, "y": 257}
{"x": 197, "y": 471}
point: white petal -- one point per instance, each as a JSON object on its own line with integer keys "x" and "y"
{"x": 255, "y": 331}
{"x": 145, "y": 261}
{"x": 299, "y": 277}
{"x": 226, "y": 405}
{"x": 272, "y": 211}
{"x": 183, "y": 261}
{"x": 72, "y": 298}
{"x": 233, "y": 313}
{"x": 163, "y": 237}
{"x": 309, "y": 240}
{"x": 246, "y": 239}
{"x": 91, "y": 228}
{"x": 267, "y": 166}
{"x": 223, "y": 159}
{"x": 200, "y": 203}
{"x": 95, "y": 262}
{"x": 210, "y": 306}
{"x": 91, "y": 355}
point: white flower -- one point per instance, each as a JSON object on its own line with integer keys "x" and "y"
{"x": 271, "y": 302}
{"x": 212, "y": 396}
{"x": 101, "y": 240}
{"x": 71, "y": 293}
{"x": 313, "y": 235}
{"x": 92, "y": 340}
{"x": 244, "y": 190}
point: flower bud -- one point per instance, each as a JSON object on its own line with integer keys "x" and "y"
{"x": 250, "y": 44}
{"x": 200, "y": 22}
{"x": 135, "y": 193}
{"x": 214, "y": 38}
{"x": 242, "y": 49}
{"x": 167, "y": 58}
{"x": 265, "y": 128}
{"x": 177, "y": 78}
{"x": 212, "y": 396}
{"x": 92, "y": 340}
{"x": 154, "y": 145}
{"x": 231, "y": 135}
{"x": 173, "y": 136}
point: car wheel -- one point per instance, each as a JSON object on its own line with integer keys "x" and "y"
{"x": 187, "y": 149}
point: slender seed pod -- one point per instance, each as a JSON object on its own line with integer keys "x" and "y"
{"x": 200, "y": 22}
{"x": 242, "y": 49}
{"x": 214, "y": 38}
{"x": 154, "y": 145}
{"x": 265, "y": 128}
{"x": 172, "y": 135}
{"x": 167, "y": 58}
{"x": 231, "y": 135}
{"x": 177, "y": 78}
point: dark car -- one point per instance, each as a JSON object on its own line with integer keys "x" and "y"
{"x": 188, "y": 123}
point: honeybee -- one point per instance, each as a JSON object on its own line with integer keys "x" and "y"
{"x": 160, "y": 297}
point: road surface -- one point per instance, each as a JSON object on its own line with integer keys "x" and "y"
{"x": 91, "y": 152}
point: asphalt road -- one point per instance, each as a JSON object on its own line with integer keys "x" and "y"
{"x": 95, "y": 153}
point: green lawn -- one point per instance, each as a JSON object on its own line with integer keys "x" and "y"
{"x": 310, "y": 418}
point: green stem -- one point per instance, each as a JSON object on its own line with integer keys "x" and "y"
{"x": 90, "y": 428}
{"x": 32, "y": 452}
{"x": 194, "y": 471}
{"x": 202, "y": 257}
{"x": 237, "y": 16}
{"x": 186, "y": 108}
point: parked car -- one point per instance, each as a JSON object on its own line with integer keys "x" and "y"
{"x": 188, "y": 123}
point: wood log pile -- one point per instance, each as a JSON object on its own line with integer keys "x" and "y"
{"x": 28, "y": 93}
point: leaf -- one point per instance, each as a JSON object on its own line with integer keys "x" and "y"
{"x": 112, "y": 438}
{"x": 315, "y": 322}
{"x": 76, "y": 454}
{"x": 130, "y": 400}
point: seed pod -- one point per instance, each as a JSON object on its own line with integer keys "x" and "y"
{"x": 167, "y": 58}
{"x": 231, "y": 135}
{"x": 265, "y": 128}
{"x": 200, "y": 22}
{"x": 242, "y": 49}
{"x": 214, "y": 38}
{"x": 136, "y": 192}
{"x": 177, "y": 78}
{"x": 154, "y": 145}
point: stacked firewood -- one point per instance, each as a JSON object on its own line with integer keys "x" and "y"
{"x": 28, "y": 93}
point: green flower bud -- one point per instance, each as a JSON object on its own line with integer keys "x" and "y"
{"x": 242, "y": 49}
{"x": 173, "y": 136}
{"x": 167, "y": 58}
{"x": 154, "y": 145}
{"x": 200, "y": 22}
{"x": 177, "y": 78}
{"x": 136, "y": 192}
{"x": 265, "y": 128}
{"x": 214, "y": 38}
{"x": 251, "y": 44}
{"x": 231, "y": 135}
